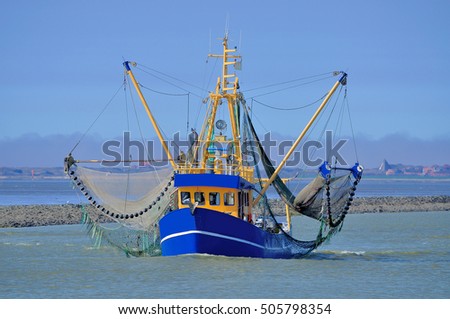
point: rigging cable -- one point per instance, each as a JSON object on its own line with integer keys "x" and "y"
{"x": 169, "y": 76}
{"x": 128, "y": 129}
{"x": 206, "y": 86}
{"x": 187, "y": 116}
{"x": 309, "y": 134}
{"x": 146, "y": 150}
{"x": 294, "y": 86}
{"x": 98, "y": 116}
{"x": 149, "y": 160}
{"x": 259, "y": 121}
{"x": 291, "y": 108}
{"x": 168, "y": 82}
{"x": 143, "y": 67}
{"x": 331, "y": 113}
{"x": 290, "y": 81}
{"x": 173, "y": 94}
{"x": 163, "y": 93}
{"x": 337, "y": 133}
{"x": 328, "y": 120}
{"x": 351, "y": 125}
{"x": 139, "y": 124}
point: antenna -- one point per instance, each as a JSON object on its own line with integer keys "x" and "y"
{"x": 209, "y": 40}
{"x": 227, "y": 25}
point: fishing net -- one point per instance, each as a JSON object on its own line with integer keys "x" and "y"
{"x": 327, "y": 198}
{"x": 131, "y": 241}
{"x": 127, "y": 202}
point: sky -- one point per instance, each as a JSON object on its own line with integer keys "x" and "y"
{"x": 62, "y": 62}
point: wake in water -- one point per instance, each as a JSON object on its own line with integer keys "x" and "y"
{"x": 377, "y": 256}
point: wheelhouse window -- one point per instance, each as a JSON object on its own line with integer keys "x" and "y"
{"x": 214, "y": 198}
{"x": 228, "y": 199}
{"x": 199, "y": 197}
{"x": 185, "y": 196}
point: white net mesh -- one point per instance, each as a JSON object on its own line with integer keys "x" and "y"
{"x": 135, "y": 199}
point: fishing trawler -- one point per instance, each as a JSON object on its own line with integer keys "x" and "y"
{"x": 213, "y": 200}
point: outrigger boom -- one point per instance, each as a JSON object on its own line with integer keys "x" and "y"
{"x": 341, "y": 81}
{"x": 126, "y": 64}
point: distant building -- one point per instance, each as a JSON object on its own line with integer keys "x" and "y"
{"x": 436, "y": 170}
{"x": 390, "y": 172}
{"x": 390, "y": 169}
{"x": 384, "y": 167}
{"x": 416, "y": 170}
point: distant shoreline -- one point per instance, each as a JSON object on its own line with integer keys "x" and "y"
{"x": 43, "y": 215}
{"x": 373, "y": 177}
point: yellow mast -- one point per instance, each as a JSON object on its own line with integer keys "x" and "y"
{"x": 215, "y": 98}
{"x": 225, "y": 90}
{"x": 342, "y": 81}
{"x": 126, "y": 64}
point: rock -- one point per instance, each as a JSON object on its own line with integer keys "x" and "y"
{"x": 42, "y": 215}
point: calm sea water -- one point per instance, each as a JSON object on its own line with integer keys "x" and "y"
{"x": 401, "y": 255}
{"x": 61, "y": 191}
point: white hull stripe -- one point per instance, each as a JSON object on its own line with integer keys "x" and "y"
{"x": 201, "y": 232}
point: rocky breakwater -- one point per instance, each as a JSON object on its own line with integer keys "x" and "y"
{"x": 387, "y": 204}
{"x": 391, "y": 204}
{"x": 39, "y": 215}
{"x": 43, "y": 215}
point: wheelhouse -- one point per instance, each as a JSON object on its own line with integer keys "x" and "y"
{"x": 223, "y": 193}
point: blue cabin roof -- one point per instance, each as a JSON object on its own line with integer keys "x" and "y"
{"x": 212, "y": 180}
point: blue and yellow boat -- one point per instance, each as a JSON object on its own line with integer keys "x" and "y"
{"x": 216, "y": 190}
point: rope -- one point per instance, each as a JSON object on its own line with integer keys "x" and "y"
{"x": 168, "y": 82}
{"x": 98, "y": 116}
{"x": 129, "y": 166}
{"x": 138, "y": 123}
{"x": 142, "y": 135}
{"x": 164, "y": 93}
{"x": 302, "y": 167}
{"x": 206, "y": 86}
{"x": 292, "y": 87}
{"x": 160, "y": 128}
{"x": 259, "y": 121}
{"x": 188, "y": 93}
{"x": 167, "y": 75}
{"x": 287, "y": 82}
{"x": 291, "y": 108}
{"x": 351, "y": 125}
{"x": 331, "y": 113}
{"x": 173, "y": 94}
{"x": 187, "y": 116}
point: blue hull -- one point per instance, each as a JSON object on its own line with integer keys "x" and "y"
{"x": 216, "y": 233}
